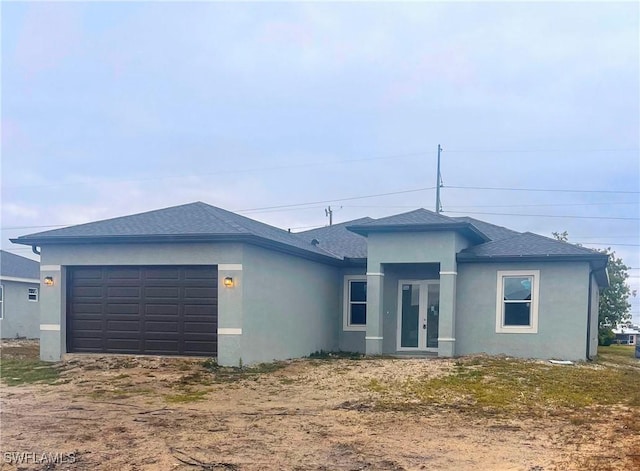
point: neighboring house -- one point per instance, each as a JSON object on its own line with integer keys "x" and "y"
{"x": 627, "y": 335}
{"x": 19, "y": 297}
{"x": 199, "y": 280}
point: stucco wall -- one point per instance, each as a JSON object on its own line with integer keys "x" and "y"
{"x": 280, "y": 306}
{"x": 21, "y": 317}
{"x": 563, "y": 311}
{"x": 413, "y": 247}
{"x": 291, "y": 306}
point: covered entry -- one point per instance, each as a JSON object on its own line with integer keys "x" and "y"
{"x": 158, "y": 310}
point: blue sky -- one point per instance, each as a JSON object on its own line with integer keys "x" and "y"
{"x": 114, "y": 108}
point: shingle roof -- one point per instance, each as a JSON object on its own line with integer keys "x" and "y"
{"x": 525, "y": 244}
{"x": 190, "y": 221}
{"x": 415, "y": 217}
{"x": 492, "y": 231}
{"x": 18, "y": 267}
{"x": 338, "y": 240}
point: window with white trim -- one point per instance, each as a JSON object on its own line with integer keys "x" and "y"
{"x": 33, "y": 294}
{"x": 355, "y": 303}
{"x": 1, "y": 302}
{"x": 517, "y": 302}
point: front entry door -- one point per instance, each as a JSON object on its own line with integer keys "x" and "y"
{"x": 418, "y": 315}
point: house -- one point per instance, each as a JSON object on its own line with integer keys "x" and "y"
{"x": 627, "y": 335}
{"x": 19, "y": 296}
{"x": 198, "y": 280}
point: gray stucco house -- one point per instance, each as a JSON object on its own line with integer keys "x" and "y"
{"x": 199, "y": 280}
{"x": 19, "y": 297}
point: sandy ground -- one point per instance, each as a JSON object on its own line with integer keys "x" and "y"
{"x": 119, "y": 413}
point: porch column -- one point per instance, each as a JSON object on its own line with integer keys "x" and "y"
{"x": 373, "y": 337}
{"x": 447, "y": 322}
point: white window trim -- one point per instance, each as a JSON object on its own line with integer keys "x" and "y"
{"x": 346, "y": 294}
{"x": 1, "y": 301}
{"x": 530, "y": 329}
{"x": 29, "y": 294}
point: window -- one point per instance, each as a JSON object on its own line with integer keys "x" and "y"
{"x": 517, "y": 302}
{"x": 33, "y": 294}
{"x": 1, "y": 302}
{"x": 355, "y": 303}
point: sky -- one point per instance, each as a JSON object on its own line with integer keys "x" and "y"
{"x": 280, "y": 110}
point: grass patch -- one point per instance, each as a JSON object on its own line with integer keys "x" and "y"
{"x": 15, "y": 372}
{"x": 618, "y": 355}
{"x": 119, "y": 393}
{"x": 498, "y": 385}
{"x": 186, "y": 397}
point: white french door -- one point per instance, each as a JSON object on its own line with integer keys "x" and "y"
{"x": 418, "y": 315}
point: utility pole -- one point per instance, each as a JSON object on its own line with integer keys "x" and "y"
{"x": 329, "y": 212}
{"x": 438, "y": 184}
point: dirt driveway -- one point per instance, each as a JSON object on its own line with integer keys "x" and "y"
{"x": 146, "y": 413}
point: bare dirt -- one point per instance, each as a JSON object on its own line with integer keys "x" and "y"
{"x": 147, "y": 413}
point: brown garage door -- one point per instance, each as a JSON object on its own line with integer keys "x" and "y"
{"x": 156, "y": 310}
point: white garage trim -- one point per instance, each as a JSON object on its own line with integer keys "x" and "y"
{"x": 51, "y": 327}
{"x": 229, "y": 331}
{"x": 230, "y": 266}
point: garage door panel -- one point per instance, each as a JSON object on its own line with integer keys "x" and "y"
{"x": 123, "y": 345}
{"x": 122, "y": 308}
{"x": 87, "y": 292}
{"x": 161, "y": 327}
{"x": 161, "y": 309}
{"x": 88, "y": 325}
{"x": 143, "y": 310}
{"x": 128, "y": 273}
{"x": 124, "y": 326}
{"x": 123, "y": 292}
{"x": 162, "y": 292}
{"x": 88, "y": 308}
{"x": 162, "y": 273}
{"x": 192, "y": 348}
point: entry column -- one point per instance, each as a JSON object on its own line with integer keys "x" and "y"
{"x": 374, "y": 337}
{"x": 447, "y": 321}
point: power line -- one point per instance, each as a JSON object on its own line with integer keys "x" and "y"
{"x": 559, "y": 190}
{"x": 613, "y": 245}
{"x": 519, "y": 151}
{"x": 333, "y": 200}
{"x": 546, "y": 215}
{"x": 635, "y": 203}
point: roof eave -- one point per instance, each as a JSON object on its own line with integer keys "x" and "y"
{"x": 466, "y": 228}
{"x": 181, "y": 238}
{"x": 473, "y": 258}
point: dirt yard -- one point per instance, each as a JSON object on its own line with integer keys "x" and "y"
{"x": 147, "y": 413}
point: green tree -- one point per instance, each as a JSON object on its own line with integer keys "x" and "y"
{"x": 614, "y": 308}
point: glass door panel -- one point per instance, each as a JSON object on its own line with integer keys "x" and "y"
{"x": 410, "y": 314}
{"x": 433, "y": 314}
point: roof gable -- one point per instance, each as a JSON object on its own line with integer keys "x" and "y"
{"x": 15, "y": 266}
